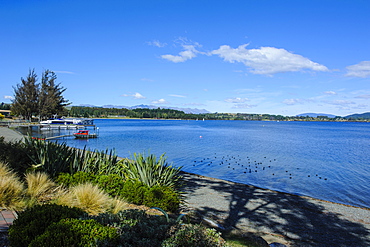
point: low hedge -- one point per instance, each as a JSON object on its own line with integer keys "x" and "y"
{"x": 33, "y": 221}
{"x": 76, "y": 232}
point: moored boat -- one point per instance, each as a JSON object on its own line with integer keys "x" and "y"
{"x": 84, "y": 134}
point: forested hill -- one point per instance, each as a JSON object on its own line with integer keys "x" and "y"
{"x": 162, "y": 113}
{"x": 365, "y": 115}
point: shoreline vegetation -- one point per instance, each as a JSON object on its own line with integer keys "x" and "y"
{"x": 172, "y": 114}
{"x": 163, "y": 113}
{"x": 275, "y": 216}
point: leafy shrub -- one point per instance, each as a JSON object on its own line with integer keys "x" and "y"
{"x": 111, "y": 184}
{"x": 75, "y": 232}
{"x": 138, "y": 229}
{"x": 133, "y": 191}
{"x": 188, "y": 235}
{"x": 79, "y": 177}
{"x": 33, "y": 221}
{"x": 162, "y": 197}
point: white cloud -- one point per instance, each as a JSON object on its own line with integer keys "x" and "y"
{"x": 8, "y": 97}
{"x": 243, "y": 106}
{"x": 364, "y": 96}
{"x": 341, "y": 102}
{"x": 135, "y": 96}
{"x": 361, "y": 69}
{"x": 236, "y": 100}
{"x": 267, "y": 60}
{"x": 294, "y": 101}
{"x": 177, "y": 96}
{"x": 330, "y": 92}
{"x": 189, "y": 53}
{"x": 156, "y": 43}
{"x": 160, "y": 101}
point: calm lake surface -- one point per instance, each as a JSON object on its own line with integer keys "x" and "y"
{"x": 324, "y": 160}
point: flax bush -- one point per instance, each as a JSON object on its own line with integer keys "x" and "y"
{"x": 151, "y": 171}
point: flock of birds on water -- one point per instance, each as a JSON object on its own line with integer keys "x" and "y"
{"x": 248, "y": 165}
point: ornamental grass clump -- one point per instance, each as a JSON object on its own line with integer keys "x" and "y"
{"x": 40, "y": 188}
{"x": 11, "y": 189}
{"x": 87, "y": 197}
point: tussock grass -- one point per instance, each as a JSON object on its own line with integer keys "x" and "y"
{"x": 11, "y": 189}
{"x": 40, "y": 188}
{"x": 119, "y": 205}
{"x": 5, "y": 170}
{"x": 87, "y": 197}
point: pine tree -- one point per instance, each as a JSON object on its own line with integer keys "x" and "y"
{"x": 25, "y": 101}
{"x": 51, "y": 100}
{"x": 45, "y": 101}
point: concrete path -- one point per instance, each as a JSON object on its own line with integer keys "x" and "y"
{"x": 10, "y": 135}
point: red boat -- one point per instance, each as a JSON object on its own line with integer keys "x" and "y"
{"x": 84, "y": 134}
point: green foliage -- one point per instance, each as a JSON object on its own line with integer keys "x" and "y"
{"x": 15, "y": 155}
{"x": 50, "y": 157}
{"x": 162, "y": 197}
{"x": 133, "y": 191}
{"x": 79, "y": 177}
{"x": 55, "y": 158}
{"x": 33, "y": 221}
{"x": 111, "y": 183}
{"x": 188, "y": 235}
{"x": 25, "y": 101}
{"x": 75, "y": 232}
{"x": 138, "y": 229}
{"x": 151, "y": 172}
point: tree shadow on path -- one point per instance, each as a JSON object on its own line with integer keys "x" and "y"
{"x": 301, "y": 221}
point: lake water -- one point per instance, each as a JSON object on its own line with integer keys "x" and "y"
{"x": 324, "y": 160}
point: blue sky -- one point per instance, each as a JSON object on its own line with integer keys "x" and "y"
{"x": 274, "y": 57}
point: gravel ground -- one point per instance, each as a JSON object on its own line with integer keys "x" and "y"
{"x": 277, "y": 217}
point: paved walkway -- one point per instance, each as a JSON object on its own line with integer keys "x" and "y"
{"x": 6, "y": 219}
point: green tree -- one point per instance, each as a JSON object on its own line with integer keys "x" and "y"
{"x": 32, "y": 99}
{"x": 51, "y": 101}
{"x": 25, "y": 101}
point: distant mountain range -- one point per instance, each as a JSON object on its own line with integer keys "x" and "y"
{"x": 186, "y": 110}
{"x": 365, "y": 115}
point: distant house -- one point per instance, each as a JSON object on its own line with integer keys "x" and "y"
{"x": 5, "y": 112}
